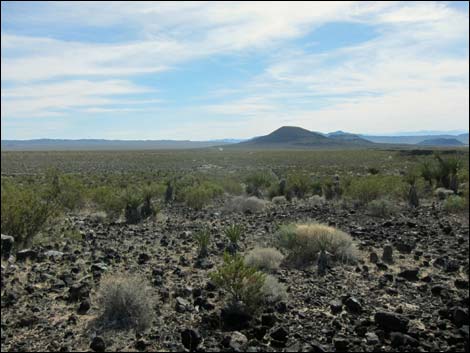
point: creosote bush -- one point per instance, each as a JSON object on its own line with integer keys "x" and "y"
{"x": 264, "y": 259}
{"x": 245, "y": 284}
{"x": 455, "y": 204}
{"x": 125, "y": 302}
{"x": 304, "y": 242}
{"x": 369, "y": 188}
{"x": 381, "y": 208}
{"x": 24, "y": 212}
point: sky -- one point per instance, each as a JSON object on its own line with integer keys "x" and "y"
{"x": 209, "y": 70}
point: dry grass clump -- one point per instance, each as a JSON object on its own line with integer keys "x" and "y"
{"x": 273, "y": 291}
{"x": 304, "y": 242}
{"x": 279, "y": 200}
{"x": 126, "y": 302}
{"x": 264, "y": 259}
{"x": 243, "y": 204}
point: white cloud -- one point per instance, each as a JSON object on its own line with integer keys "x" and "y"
{"x": 409, "y": 75}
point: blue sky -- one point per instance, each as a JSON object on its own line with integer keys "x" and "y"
{"x": 200, "y": 70}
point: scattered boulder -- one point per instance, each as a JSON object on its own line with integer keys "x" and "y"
{"x": 353, "y": 305}
{"x": 79, "y": 291}
{"x": 410, "y": 274}
{"x": 7, "y": 245}
{"x": 191, "y": 339}
{"x": 391, "y": 322}
{"x": 26, "y": 254}
{"x": 98, "y": 344}
{"x": 387, "y": 256}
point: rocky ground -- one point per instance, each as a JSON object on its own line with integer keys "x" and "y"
{"x": 418, "y": 302}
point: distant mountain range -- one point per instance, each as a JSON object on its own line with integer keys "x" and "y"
{"x": 284, "y": 137}
{"x": 413, "y": 140}
{"x": 104, "y": 145}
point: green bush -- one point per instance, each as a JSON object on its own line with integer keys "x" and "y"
{"x": 25, "y": 210}
{"x": 258, "y": 181}
{"x": 243, "y": 283}
{"x": 234, "y": 233}
{"x": 203, "y": 238}
{"x": 109, "y": 199}
{"x": 299, "y": 184}
{"x": 381, "y": 208}
{"x": 455, "y": 204}
{"x": 369, "y": 188}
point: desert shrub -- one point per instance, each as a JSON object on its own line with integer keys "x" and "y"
{"x": 203, "y": 238}
{"x": 455, "y": 204}
{"x": 316, "y": 200}
{"x": 231, "y": 186}
{"x": 234, "y": 233}
{"x": 272, "y": 290}
{"x": 243, "y": 283}
{"x": 66, "y": 191}
{"x": 109, "y": 199}
{"x": 279, "y": 200}
{"x": 428, "y": 172}
{"x": 264, "y": 259}
{"x": 446, "y": 173}
{"x": 132, "y": 198}
{"x": 305, "y": 241}
{"x": 299, "y": 184}
{"x": 245, "y": 204}
{"x": 258, "y": 181}
{"x": 24, "y": 212}
{"x": 200, "y": 195}
{"x": 317, "y": 188}
{"x": 125, "y": 302}
{"x": 369, "y": 188}
{"x": 381, "y": 208}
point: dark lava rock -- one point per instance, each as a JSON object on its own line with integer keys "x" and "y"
{"x": 387, "y": 256}
{"x": 461, "y": 283}
{"x": 341, "y": 344}
{"x": 79, "y": 291}
{"x": 143, "y": 258}
{"x": 280, "y": 334}
{"x": 7, "y": 245}
{"x": 191, "y": 339}
{"x": 98, "y": 344}
{"x": 353, "y": 305}
{"x": 182, "y": 305}
{"x": 391, "y": 321}
{"x": 84, "y": 307}
{"x": 336, "y": 306}
{"x": 460, "y": 317}
{"x": 373, "y": 257}
{"x": 399, "y": 339}
{"x": 410, "y": 274}
{"x": 26, "y": 254}
{"x": 404, "y": 247}
{"x": 268, "y": 320}
{"x": 236, "y": 316}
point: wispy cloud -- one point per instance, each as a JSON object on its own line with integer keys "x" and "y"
{"x": 101, "y": 58}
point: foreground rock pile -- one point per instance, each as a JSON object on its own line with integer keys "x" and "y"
{"x": 409, "y": 290}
